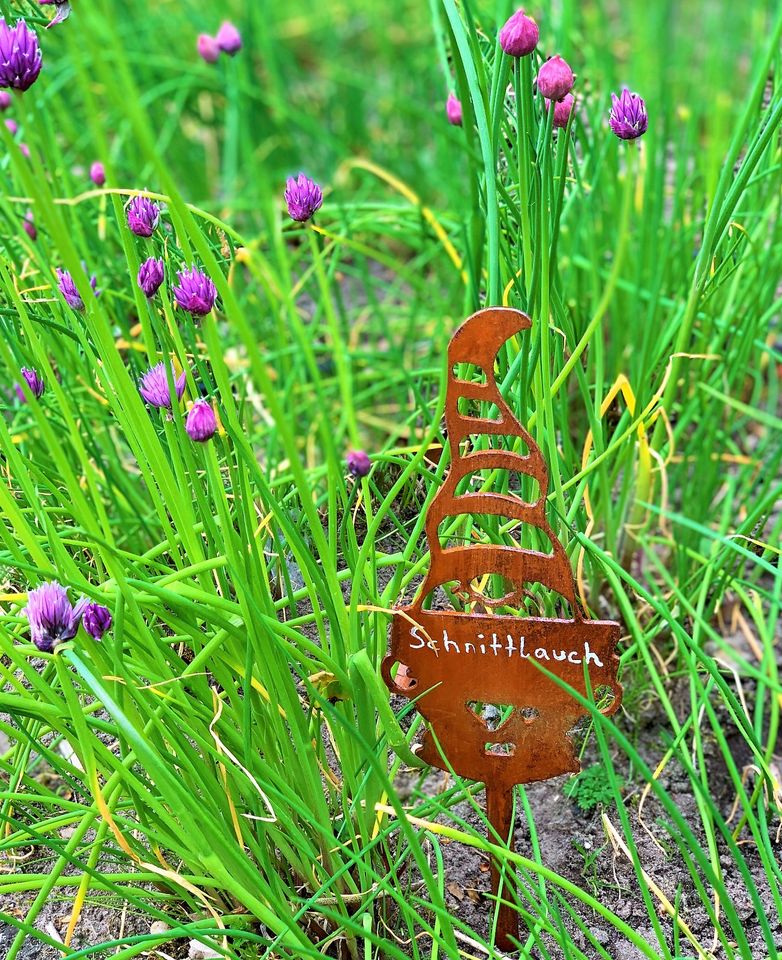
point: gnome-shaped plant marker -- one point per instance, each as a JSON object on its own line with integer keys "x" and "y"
{"x": 480, "y": 678}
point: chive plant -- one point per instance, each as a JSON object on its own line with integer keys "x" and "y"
{"x": 226, "y": 756}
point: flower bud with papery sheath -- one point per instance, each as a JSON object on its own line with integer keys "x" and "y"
{"x": 29, "y": 226}
{"x": 62, "y": 12}
{"x": 519, "y": 36}
{"x": 70, "y": 291}
{"x": 562, "y": 110}
{"x": 201, "y": 422}
{"x": 33, "y": 381}
{"x": 555, "y": 79}
{"x": 358, "y": 463}
{"x": 96, "y": 620}
{"x": 208, "y": 48}
{"x": 98, "y": 174}
{"x": 150, "y": 276}
{"x": 453, "y": 110}
{"x": 228, "y": 38}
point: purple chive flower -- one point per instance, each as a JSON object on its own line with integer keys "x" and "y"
{"x": 28, "y": 226}
{"x": 96, "y": 620}
{"x": 33, "y": 381}
{"x": 143, "y": 216}
{"x": 153, "y": 386}
{"x": 302, "y": 197}
{"x": 453, "y": 110}
{"x": 519, "y": 36}
{"x": 208, "y": 47}
{"x": 628, "y": 118}
{"x": 13, "y": 126}
{"x": 70, "y": 291}
{"x": 196, "y": 293}
{"x": 358, "y": 463}
{"x": 201, "y": 422}
{"x": 51, "y": 615}
{"x": 5, "y": 100}
{"x": 228, "y": 38}
{"x": 555, "y": 78}
{"x": 20, "y": 56}
{"x": 562, "y": 110}
{"x": 25, "y": 150}
{"x": 98, "y": 173}
{"x": 150, "y": 276}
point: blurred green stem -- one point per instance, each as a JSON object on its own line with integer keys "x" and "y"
{"x": 522, "y": 74}
{"x": 339, "y": 348}
{"x": 610, "y": 287}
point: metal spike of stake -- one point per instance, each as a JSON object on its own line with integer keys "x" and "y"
{"x": 499, "y": 808}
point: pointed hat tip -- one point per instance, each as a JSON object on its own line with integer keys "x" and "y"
{"x": 482, "y": 334}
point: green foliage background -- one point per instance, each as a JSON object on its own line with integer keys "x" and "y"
{"x": 230, "y": 744}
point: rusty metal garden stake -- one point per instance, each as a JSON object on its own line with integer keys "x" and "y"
{"x": 493, "y": 714}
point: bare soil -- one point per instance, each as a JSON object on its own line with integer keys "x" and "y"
{"x": 575, "y": 844}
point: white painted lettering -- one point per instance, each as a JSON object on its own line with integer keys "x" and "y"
{"x": 416, "y": 636}
{"x": 591, "y": 657}
{"x": 509, "y": 647}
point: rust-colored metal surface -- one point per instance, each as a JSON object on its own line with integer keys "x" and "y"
{"x": 478, "y": 675}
